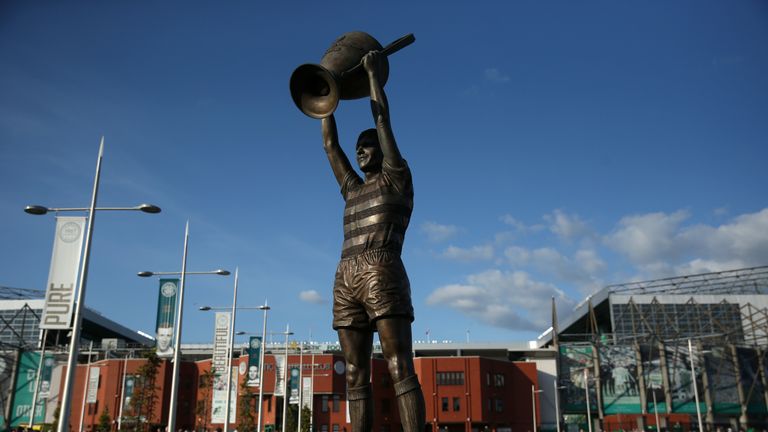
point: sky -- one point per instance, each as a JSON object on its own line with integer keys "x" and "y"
{"x": 556, "y": 147}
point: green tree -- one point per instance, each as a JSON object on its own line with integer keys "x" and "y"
{"x": 144, "y": 397}
{"x": 202, "y": 410}
{"x": 291, "y": 422}
{"x": 306, "y": 419}
{"x": 105, "y": 421}
{"x": 246, "y": 413}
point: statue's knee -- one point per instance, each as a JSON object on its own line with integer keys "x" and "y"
{"x": 356, "y": 376}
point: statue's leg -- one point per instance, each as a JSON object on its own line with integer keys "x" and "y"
{"x": 357, "y": 344}
{"x": 396, "y": 346}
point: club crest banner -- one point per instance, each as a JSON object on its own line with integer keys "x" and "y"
{"x": 254, "y": 357}
{"x": 62, "y": 276}
{"x": 293, "y": 399}
{"x": 166, "y": 315}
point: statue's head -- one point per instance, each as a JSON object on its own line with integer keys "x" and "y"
{"x": 368, "y": 151}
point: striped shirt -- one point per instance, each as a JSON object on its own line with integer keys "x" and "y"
{"x": 376, "y": 214}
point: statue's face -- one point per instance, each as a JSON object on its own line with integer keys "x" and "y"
{"x": 369, "y": 156}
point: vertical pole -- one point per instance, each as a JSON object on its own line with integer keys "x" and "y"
{"x": 533, "y": 406}
{"x": 301, "y": 384}
{"x": 586, "y": 396}
{"x": 177, "y": 340}
{"x": 122, "y": 394}
{"x": 656, "y": 411}
{"x": 695, "y": 387}
{"x": 85, "y": 387}
{"x": 74, "y": 342}
{"x": 285, "y": 380}
{"x": 311, "y": 387}
{"x": 557, "y": 404}
{"x": 229, "y": 354}
{"x": 37, "y": 380}
{"x": 261, "y": 365}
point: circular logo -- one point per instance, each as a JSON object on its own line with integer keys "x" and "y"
{"x": 294, "y": 373}
{"x": 255, "y": 343}
{"x": 70, "y": 232}
{"x": 222, "y": 321}
{"x": 242, "y": 369}
{"x": 48, "y": 361}
{"x": 168, "y": 289}
{"x": 339, "y": 367}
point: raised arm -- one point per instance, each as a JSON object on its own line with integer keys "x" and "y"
{"x": 339, "y": 162}
{"x": 380, "y": 109}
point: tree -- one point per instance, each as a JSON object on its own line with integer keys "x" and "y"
{"x": 291, "y": 422}
{"x": 144, "y": 397}
{"x": 246, "y": 421}
{"x": 306, "y": 419}
{"x": 105, "y": 421}
{"x": 202, "y": 410}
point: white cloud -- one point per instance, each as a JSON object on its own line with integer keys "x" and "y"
{"x": 494, "y": 75}
{"x": 567, "y": 226}
{"x": 437, "y": 232}
{"x": 475, "y": 253}
{"x": 503, "y": 299}
{"x": 311, "y": 296}
{"x": 659, "y": 245}
{"x": 519, "y": 225}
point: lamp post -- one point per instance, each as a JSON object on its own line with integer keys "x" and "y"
{"x": 285, "y": 377}
{"x": 586, "y": 396}
{"x": 74, "y": 344}
{"x": 177, "y": 339}
{"x": 533, "y": 404}
{"x": 656, "y": 411}
{"x": 695, "y": 386}
{"x": 264, "y": 308}
{"x": 557, "y": 402}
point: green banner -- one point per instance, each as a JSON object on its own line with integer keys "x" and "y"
{"x": 294, "y": 385}
{"x": 574, "y": 359}
{"x": 254, "y": 356}
{"x": 166, "y": 313}
{"x": 25, "y": 387}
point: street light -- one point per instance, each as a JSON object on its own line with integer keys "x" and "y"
{"x": 557, "y": 402}
{"x": 287, "y": 333}
{"x": 586, "y": 395}
{"x": 533, "y": 400}
{"x": 74, "y": 345}
{"x": 177, "y": 340}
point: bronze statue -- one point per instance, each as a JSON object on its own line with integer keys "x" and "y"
{"x": 371, "y": 289}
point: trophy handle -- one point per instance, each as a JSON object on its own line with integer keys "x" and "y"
{"x": 389, "y": 49}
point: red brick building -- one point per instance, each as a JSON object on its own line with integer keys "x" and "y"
{"x": 461, "y": 394}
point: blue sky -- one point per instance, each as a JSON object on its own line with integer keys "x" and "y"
{"x": 556, "y": 147}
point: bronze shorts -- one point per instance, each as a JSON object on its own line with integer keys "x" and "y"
{"x": 369, "y": 286}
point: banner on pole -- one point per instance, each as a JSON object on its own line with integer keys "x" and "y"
{"x": 166, "y": 315}
{"x": 279, "y": 374}
{"x": 93, "y": 385}
{"x": 62, "y": 276}
{"x": 220, "y": 400}
{"x": 306, "y": 392}
{"x": 294, "y": 386}
{"x": 26, "y": 374}
{"x": 254, "y": 356}
{"x": 219, "y": 363}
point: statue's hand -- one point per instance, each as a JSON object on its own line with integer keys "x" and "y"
{"x": 372, "y": 62}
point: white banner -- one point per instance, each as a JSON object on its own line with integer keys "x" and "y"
{"x": 220, "y": 401}
{"x": 219, "y": 363}
{"x": 306, "y": 392}
{"x": 93, "y": 385}
{"x": 62, "y": 276}
{"x": 279, "y": 375}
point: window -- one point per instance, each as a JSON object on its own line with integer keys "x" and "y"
{"x": 336, "y": 401}
{"x": 488, "y": 379}
{"x": 336, "y": 428}
{"x": 456, "y": 404}
{"x": 324, "y": 428}
{"x": 450, "y": 378}
{"x": 499, "y": 405}
{"x": 498, "y": 380}
{"x": 385, "y": 408}
{"x": 445, "y": 404}
{"x": 324, "y": 405}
